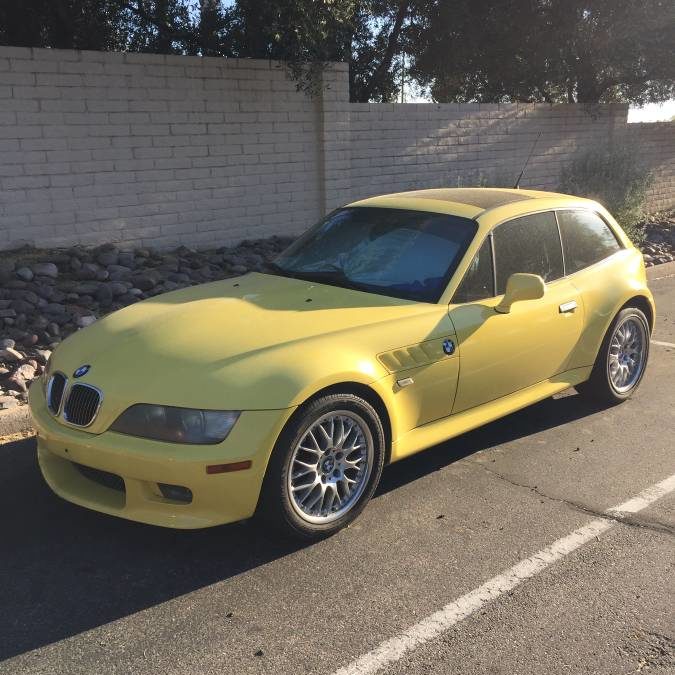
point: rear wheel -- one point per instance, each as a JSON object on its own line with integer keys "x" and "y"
{"x": 622, "y": 359}
{"x": 325, "y": 467}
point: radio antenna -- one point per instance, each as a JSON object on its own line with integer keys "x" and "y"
{"x": 534, "y": 145}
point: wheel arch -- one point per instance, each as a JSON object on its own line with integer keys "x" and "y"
{"x": 642, "y": 303}
{"x": 367, "y": 394}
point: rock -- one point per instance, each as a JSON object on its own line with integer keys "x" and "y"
{"x": 117, "y": 272}
{"x": 26, "y": 371}
{"x": 126, "y": 259}
{"x": 117, "y": 288}
{"x": 87, "y": 288}
{"x": 239, "y": 269}
{"x": 7, "y": 313}
{"x": 7, "y": 402}
{"x": 647, "y": 258}
{"x": 109, "y": 257}
{"x": 45, "y": 269}
{"x": 40, "y": 322}
{"x": 104, "y": 295}
{"x": 10, "y": 354}
{"x": 25, "y": 274}
{"x": 55, "y": 308}
{"x": 6, "y": 271}
{"x": 7, "y": 343}
{"x": 16, "y": 383}
{"x": 146, "y": 280}
{"x": 4, "y": 371}
{"x": 84, "y": 321}
{"x": 29, "y": 340}
{"x": 43, "y": 355}
{"x": 87, "y": 272}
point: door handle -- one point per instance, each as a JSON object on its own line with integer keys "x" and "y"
{"x": 567, "y": 306}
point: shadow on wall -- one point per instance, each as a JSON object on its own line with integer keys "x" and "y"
{"x": 65, "y": 570}
{"x": 404, "y": 147}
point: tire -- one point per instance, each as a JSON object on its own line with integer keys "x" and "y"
{"x": 342, "y": 479}
{"x": 621, "y": 361}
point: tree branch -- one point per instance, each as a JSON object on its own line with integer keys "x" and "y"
{"x": 164, "y": 28}
{"x": 389, "y": 52}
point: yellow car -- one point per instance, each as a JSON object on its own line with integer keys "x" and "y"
{"x": 395, "y": 323}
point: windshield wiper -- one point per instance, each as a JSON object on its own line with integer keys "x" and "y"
{"x": 281, "y": 271}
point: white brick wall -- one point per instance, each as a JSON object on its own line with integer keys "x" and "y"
{"x": 162, "y": 150}
{"x": 147, "y": 149}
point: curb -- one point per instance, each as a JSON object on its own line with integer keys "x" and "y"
{"x": 18, "y": 420}
{"x": 661, "y": 271}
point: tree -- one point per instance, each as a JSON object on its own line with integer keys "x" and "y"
{"x": 587, "y": 51}
{"x": 65, "y": 24}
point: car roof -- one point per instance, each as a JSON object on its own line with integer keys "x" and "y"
{"x": 467, "y": 202}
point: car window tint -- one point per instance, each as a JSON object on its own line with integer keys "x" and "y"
{"x": 397, "y": 252}
{"x": 587, "y": 239}
{"x": 478, "y": 281}
{"x": 530, "y": 244}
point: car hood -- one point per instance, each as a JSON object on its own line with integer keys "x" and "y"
{"x": 225, "y": 344}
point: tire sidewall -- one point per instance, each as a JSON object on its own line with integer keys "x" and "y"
{"x": 276, "y": 494}
{"x": 635, "y": 313}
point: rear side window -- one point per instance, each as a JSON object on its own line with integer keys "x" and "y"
{"x": 478, "y": 281}
{"x": 530, "y": 244}
{"x": 586, "y": 238}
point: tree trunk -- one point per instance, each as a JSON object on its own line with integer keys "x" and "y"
{"x": 388, "y": 56}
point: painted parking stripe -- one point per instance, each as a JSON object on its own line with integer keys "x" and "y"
{"x": 663, "y": 344}
{"x": 434, "y": 625}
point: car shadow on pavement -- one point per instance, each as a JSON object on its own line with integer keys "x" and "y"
{"x": 65, "y": 570}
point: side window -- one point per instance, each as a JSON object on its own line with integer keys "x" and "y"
{"x": 530, "y": 244}
{"x": 478, "y": 281}
{"x": 586, "y": 239}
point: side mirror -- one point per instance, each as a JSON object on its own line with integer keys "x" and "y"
{"x": 521, "y": 287}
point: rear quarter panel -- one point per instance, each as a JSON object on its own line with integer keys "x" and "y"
{"x": 604, "y": 288}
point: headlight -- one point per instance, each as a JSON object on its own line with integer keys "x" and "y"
{"x": 176, "y": 425}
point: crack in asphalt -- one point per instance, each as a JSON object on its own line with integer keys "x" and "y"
{"x": 630, "y": 520}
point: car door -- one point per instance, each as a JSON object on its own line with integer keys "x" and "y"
{"x": 503, "y": 353}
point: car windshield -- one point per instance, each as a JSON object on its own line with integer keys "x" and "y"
{"x": 397, "y": 252}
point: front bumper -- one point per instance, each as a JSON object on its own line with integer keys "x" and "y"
{"x": 142, "y": 464}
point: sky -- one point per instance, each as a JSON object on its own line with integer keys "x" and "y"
{"x": 653, "y": 112}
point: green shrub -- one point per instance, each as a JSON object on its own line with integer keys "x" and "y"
{"x": 613, "y": 177}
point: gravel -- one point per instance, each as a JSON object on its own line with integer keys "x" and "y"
{"x": 45, "y": 295}
{"x": 659, "y": 244}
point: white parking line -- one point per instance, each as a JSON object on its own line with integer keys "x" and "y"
{"x": 662, "y": 344}
{"x": 393, "y": 649}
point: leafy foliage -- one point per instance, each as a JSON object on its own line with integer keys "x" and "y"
{"x": 613, "y": 177}
{"x": 588, "y": 51}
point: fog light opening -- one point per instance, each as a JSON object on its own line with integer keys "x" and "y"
{"x": 176, "y": 493}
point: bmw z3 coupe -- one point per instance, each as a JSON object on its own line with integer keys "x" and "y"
{"x": 393, "y": 324}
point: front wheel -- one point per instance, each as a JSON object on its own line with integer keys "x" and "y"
{"x": 325, "y": 467}
{"x": 622, "y": 359}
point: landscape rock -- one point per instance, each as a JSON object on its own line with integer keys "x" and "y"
{"x": 84, "y": 321}
{"x": 45, "y": 269}
{"x": 25, "y": 274}
{"x": 10, "y": 354}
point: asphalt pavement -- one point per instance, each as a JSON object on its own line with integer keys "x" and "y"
{"x": 81, "y": 592}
